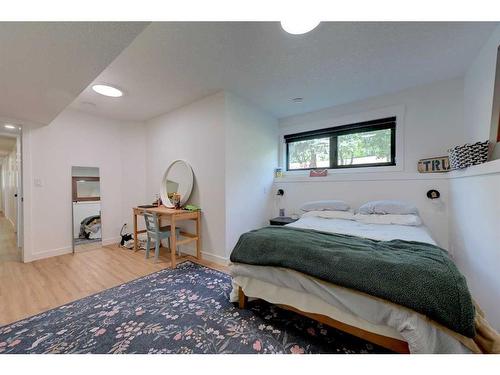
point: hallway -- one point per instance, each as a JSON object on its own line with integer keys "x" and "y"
{"x": 8, "y": 250}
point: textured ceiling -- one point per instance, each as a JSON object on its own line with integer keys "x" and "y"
{"x": 45, "y": 65}
{"x": 172, "y": 64}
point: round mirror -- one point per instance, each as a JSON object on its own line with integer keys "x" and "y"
{"x": 177, "y": 184}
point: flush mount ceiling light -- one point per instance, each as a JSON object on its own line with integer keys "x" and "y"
{"x": 10, "y": 126}
{"x": 298, "y": 26}
{"x": 107, "y": 90}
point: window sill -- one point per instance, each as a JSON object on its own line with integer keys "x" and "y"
{"x": 488, "y": 168}
{"x": 366, "y": 176}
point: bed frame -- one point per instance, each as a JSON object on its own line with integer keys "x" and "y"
{"x": 390, "y": 343}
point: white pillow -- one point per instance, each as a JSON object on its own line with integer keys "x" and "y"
{"x": 388, "y": 207}
{"x": 328, "y": 205}
{"x": 412, "y": 220}
{"x": 346, "y": 215}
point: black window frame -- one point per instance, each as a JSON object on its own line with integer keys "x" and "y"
{"x": 334, "y": 132}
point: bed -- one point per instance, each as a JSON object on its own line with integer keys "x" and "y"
{"x": 372, "y": 318}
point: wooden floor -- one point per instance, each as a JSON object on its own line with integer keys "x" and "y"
{"x": 30, "y": 288}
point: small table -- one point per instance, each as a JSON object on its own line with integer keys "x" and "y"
{"x": 173, "y": 216}
{"x": 282, "y": 220}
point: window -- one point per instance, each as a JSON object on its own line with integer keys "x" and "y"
{"x": 364, "y": 144}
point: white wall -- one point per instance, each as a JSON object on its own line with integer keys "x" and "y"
{"x": 231, "y": 146}
{"x": 132, "y": 144}
{"x": 194, "y": 133}
{"x": 251, "y": 157}
{"x": 75, "y": 139}
{"x": 478, "y": 91}
{"x": 475, "y": 235}
{"x": 430, "y": 120}
{"x": 474, "y": 200}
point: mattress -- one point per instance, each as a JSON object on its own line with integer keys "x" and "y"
{"x": 285, "y": 286}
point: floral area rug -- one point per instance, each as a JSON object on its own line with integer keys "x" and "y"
{"x": 186, "y": 310}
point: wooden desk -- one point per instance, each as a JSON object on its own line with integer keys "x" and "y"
{"x": 173, "y": 217}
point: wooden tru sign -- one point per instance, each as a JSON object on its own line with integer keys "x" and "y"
{"x": 434, "y": 165}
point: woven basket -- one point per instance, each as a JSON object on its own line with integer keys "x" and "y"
{"x": 468, "y": 154}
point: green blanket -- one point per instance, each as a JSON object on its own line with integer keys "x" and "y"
{"x": 416, "y": 275}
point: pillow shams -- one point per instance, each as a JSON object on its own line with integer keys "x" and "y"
{"x": 327, "y": 205}
{"x": 387, "y": 207}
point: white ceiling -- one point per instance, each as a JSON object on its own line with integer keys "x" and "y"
{"x": 172, "y": 64}
{"x": 45, "y": 65}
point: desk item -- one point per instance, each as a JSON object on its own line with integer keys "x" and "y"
{"x": 176, "y": 200}
{"x": 173, "y": 216}
{"x": 192, "y": 207}
{"x": 178, "y": 179}
{"x": 147, "y": 206}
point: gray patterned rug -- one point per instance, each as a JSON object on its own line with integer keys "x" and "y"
{"x": 186, "y": 310}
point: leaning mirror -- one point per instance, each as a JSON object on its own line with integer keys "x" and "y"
{"x": 495, "y": 115}
{"x": 86, "y": 204}
{"x": 177, "y": 184}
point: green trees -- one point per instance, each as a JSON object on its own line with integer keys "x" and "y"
{"x": 355, "y": 148}
{"x": 368, "y": 147}
{"x": 312, "y": 153}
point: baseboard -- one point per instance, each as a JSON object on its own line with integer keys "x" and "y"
{"x": 207, "y": 256}
{"x": 215, "y": 258}
{"x": 64, "y": 250}
{"x": 113, "y": 241}
{"x": 48, "y": 254}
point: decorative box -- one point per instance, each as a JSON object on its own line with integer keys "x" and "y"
{"x": 468, "y": 154}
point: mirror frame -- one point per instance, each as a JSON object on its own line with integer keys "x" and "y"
{"x": 163, "y": 189}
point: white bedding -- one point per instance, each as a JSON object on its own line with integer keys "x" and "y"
{"x": 382, "y": 232}
{"x": 283, "y": 286}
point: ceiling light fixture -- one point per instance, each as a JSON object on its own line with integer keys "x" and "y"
{"x": 9, "y": 126}
{"x": 107, "y": 90}
{"x": 298, "y": 100}
{"x": 297, "y": 27}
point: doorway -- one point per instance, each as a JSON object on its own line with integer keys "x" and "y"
{"x": 11, "y": 212}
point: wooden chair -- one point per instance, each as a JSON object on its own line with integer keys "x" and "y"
{"x": 158, "y": 233}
